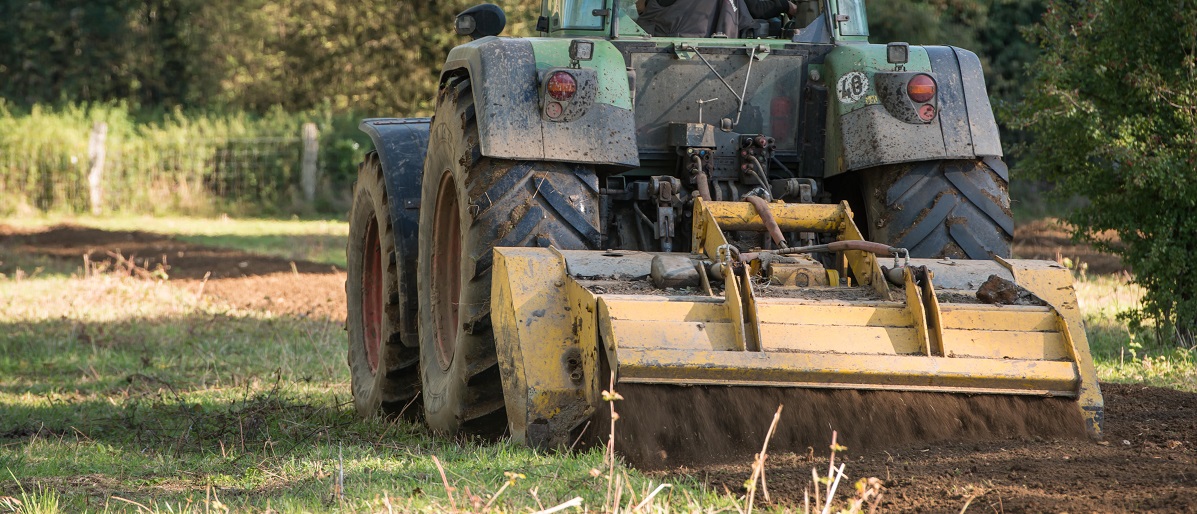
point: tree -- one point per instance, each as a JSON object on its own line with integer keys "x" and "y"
{"x": 1113, "y": 112}
{"x": 80, "y": 50}
{"x": 380, "y": 57}
{"x": 991, "y": 28}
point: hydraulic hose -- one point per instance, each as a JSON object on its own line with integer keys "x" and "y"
{"x": 762, "y": 209}
{"x": 704, "y": 187}
{"x": 840, "y": 246}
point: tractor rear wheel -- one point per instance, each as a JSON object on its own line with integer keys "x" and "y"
{"x": 383, "y": 369}
{"x": 958, "y": 209}
{"x": 470, "y": 204}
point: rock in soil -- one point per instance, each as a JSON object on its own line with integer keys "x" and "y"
{"x": 999, "y": 291}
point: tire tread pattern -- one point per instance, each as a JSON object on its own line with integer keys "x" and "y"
{"x": 510, "y": 203}
{"x": 399, "y": 387}
{"x": 936, "y": 209}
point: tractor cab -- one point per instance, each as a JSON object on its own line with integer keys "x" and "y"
{"x": 614, "y": 19}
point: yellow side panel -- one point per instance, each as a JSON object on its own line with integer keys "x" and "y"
{"x": 541, "y": 358}
{"x": 894, "y": 372}
{"x": 1054, "y": 284}
{"x": 1000, "y": 344}
{"x": 989, "y": 317}
{"x": 840, "y": 339}
{"x": 798, "y": 313}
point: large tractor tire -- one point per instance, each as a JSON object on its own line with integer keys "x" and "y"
{"x": 469, "y": 205}
{"x": 384, "y": 370}
{"x": 957, "y": 209}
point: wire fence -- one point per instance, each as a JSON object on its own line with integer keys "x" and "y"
{"x": 147, "y": 177}
{"x": 72, "y": 167}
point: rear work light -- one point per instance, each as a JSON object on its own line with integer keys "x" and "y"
{"x": 921, "y": 88}
{"x": 562, "y": 85}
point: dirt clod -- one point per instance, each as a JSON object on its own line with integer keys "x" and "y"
{"x": 999, "y": 291}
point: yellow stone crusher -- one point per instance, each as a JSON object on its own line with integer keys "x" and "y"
{"x": 876, "y": 320}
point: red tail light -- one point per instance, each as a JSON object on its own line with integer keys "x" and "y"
{"x": 921, "y": 88}
{"x": 927, "y": 112}
{"x": 562, "y": 85}
{"x": 781, "y": 112}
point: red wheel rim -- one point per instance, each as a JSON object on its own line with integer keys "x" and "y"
{"x": 446, "y": 270}
{"x": 372, "y": 293}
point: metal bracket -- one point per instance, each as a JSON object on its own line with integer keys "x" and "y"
{"x": 664, "y": 190}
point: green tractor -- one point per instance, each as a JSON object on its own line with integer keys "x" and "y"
{"x": 597, "y": 135}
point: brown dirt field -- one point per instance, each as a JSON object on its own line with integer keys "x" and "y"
{"x": 1049, "y": 239}
{"x": 1147, "y": 462}
{"x": 243, "y": 280}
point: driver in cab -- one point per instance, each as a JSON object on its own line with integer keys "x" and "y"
{"x": 707, "y": 18}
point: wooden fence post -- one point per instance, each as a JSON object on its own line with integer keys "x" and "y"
{"x": 311, "y": 149}
{"x": 95, "y": 158}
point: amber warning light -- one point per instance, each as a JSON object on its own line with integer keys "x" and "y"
{"x": 921, "y": 88}
{"x": 562, "y": 85}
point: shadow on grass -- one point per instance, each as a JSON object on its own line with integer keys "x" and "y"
{"x": 276, "y": 421}
{"x": 178, "y": 383}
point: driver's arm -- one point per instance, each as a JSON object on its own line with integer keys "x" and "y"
{"x": 765, "y": 9}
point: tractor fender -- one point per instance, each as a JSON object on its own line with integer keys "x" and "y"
{"x": 864, "y": 133}
{"x": 964, "y": 102}
{"x": 401, "y": 144}
{"x": 505, "y": 76}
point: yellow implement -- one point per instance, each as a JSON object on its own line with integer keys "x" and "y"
{"x": 563, "y": 318}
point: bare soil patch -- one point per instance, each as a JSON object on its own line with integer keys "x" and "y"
{"x": 243, "y": 280}
{"x": 1146, "y": 463}
{"x": 1049, "y": 239}
{"x": 662, "y": 426}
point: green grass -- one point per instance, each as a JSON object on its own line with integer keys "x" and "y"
{"x": 1121, "y": 355}
{"x": 117, "y": 392}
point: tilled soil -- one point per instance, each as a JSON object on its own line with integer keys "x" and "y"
{"x": 1049, "y": 239}
{"x": 242, "y": 280}
{"x": 1146, "y": 463}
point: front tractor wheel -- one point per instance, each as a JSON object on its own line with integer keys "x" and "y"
{"x": 957, "y": 209}
{"x": 469, "y": 205}
{"x": 382, "y": 368}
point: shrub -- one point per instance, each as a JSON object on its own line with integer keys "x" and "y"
{"x": 1114, "y": 118}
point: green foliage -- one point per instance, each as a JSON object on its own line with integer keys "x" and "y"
{"x": 380, "y": 56}
{"x": 204, "y": 98}
{"x": 991, "y": 28}
{"x": 171, "y": 161}
{"x": 1114, "y": 115}
{"x": 81, "y": 50}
